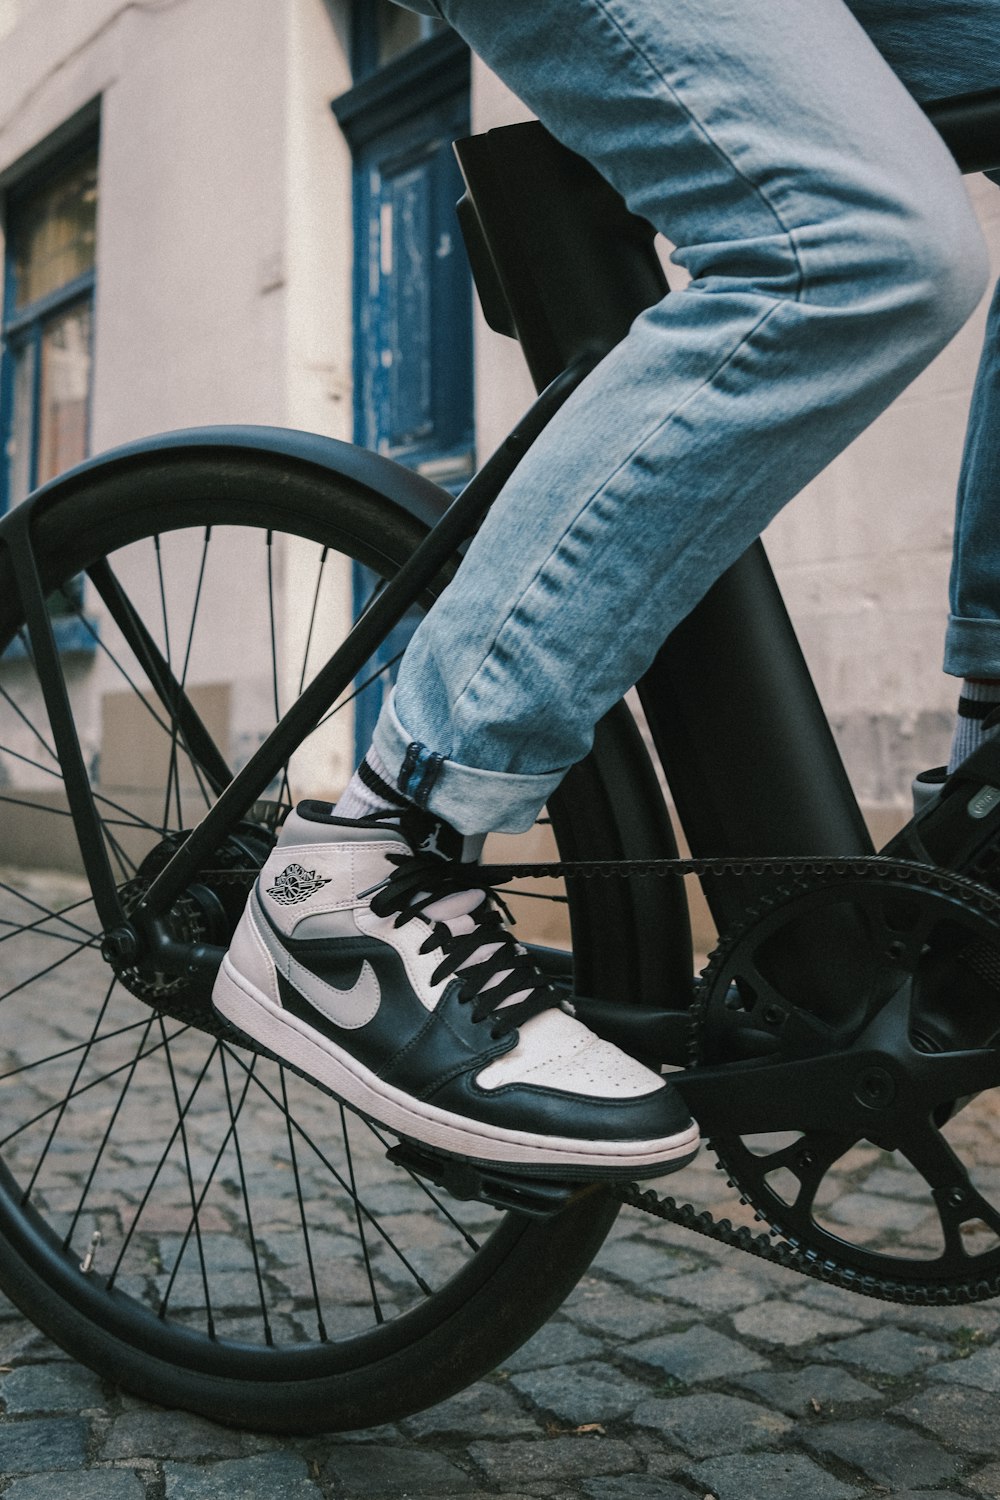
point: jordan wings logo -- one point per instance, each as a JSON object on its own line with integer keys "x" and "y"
{"x": 295, "y": 884}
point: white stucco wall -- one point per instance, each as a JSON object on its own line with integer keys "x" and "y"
{"x": 863, "y": 556}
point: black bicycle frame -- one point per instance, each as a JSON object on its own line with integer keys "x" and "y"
{"x": 746, "y": 747}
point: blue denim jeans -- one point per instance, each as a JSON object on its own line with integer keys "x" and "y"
{"x": 832, "y": 252}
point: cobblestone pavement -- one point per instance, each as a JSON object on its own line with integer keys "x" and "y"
{"x": 677, "y": 1368}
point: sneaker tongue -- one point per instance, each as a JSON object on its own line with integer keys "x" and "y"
{"x": 427, "y": 834}
{"x": 458, "y": 904}
{"x": 455, "y": 911}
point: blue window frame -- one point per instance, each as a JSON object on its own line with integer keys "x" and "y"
{"x": 413, "y": 312}
{"x": 46, "y": 364}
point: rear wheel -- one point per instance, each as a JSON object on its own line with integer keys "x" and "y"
{"x": 191, "y": 1220}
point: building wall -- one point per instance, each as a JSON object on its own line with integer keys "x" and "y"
{"x": 863, "y": 556}
{"x": 223, "y": 264}
{"x": 224, "y": 220}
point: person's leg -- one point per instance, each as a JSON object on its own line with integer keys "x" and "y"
{"x": 832, "y": 251}
{"x": 972, "y": 643}
{"x": 941, "y": 48}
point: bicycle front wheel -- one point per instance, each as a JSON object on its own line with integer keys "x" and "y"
{"x": 193, "y": 1221}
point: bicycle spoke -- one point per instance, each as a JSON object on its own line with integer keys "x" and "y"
{"x": 234, "y": 1133}
{"x": 194, "y": 1223}
{"x": 109, "y": 1130}
{"x": 51, "y": 1057}
{"x": 374, "y": 593}
{"x": 163, "y": 596}
{"x": 163, "y": 1159}
{"x": 29, "y": 723}
{"x": 129, "y": 819}
{"x": 102, "y": 646}
{"x": 312, "y": 616}
{"x": 173, "y": 772}
{"x": 376, "y": 1305}
{"x": 48, "y": 914}
{"x": 127, "y": 867}
{"x": 342, "y": 703}
{"x": 320, "y": 1325}
{"x": 17, "y": 929}
{"x": 76, "y": 1078}
{"x": 84, "y": 1089}
{"x": 59, "y": 812}
{"x": 205, "y": 758}
{"x": 339, "y": 1179}
{"x": 49, "y": 969}
{"x": 181, "y": 1113}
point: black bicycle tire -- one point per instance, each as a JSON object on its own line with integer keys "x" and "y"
{"x": 527, "y": 1267}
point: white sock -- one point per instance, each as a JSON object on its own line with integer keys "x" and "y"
{"x": 979, "y": 697}
{"x": 369, "y": 790}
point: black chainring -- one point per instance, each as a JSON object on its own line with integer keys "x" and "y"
{"x": 915, "y": 997}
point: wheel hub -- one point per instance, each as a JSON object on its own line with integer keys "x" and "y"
{"x": 206, "y": 913}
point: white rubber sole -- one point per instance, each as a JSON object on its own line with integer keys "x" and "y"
{"x": 314, "y": 1055}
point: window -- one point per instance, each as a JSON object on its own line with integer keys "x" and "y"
{"x": 45, "y": 377}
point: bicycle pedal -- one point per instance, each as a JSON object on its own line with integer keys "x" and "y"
{"x": 470, "y": 1181}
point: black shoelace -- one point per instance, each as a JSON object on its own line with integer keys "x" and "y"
{"x": 417, "y": 883}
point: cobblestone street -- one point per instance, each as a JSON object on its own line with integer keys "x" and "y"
{"x": 672, "y": 1371}
{"x": 676, "y": 1368}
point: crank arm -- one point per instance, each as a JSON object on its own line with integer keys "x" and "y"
{"x": 858, "y": 1090}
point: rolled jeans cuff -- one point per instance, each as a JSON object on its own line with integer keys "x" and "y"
{"x": 471, "y": 800}
{"x": 972, "y": 647}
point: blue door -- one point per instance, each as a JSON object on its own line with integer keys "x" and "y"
{"x": 413, "y": 303}
{"x": 413, "y": 353}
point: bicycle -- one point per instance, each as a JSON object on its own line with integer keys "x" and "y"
{"x": 211, "y": 1231}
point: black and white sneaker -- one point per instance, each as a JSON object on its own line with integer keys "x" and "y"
{"x": 386, "y": 975}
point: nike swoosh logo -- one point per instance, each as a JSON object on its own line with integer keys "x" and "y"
{"x": 349, "y": 1009}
